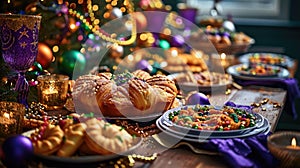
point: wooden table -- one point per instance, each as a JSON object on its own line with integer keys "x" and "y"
{"x": 184, "y": 157}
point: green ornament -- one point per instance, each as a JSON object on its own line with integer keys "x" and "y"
{"x": 91, "y": 36}
{"x": 164, "y": 44}
{"x": 69, "y": 59}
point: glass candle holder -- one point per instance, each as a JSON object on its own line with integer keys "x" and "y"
{"x": 11, "y": 118}
{"x": 285, "y": 146}
{"x": 52, "y": 90}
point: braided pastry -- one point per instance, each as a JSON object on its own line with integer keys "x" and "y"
{"x": 141, "y": 74}
{"x": 74, "y": 137}
{"x": 129, "y": 94}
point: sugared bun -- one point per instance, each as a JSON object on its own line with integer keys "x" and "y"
{"x": 128, "y": 94}
{"x": 141, "y": 74}
{"x": 105, "y": 138}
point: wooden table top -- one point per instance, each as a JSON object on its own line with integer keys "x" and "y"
{"x": 184, "y": 157}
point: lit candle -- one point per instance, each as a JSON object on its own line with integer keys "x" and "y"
{"x": 293, "y": 144}
{"x": 50, "y": 94}
{"x": 223, "y": 56}
{"x": 223, "y": 60}
{"x": 8, "y": 125}
{"x": 174, "y": 53}
{"x": 52, "y": 90}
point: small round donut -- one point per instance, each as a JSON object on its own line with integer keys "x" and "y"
{"x": 50, "y": 140}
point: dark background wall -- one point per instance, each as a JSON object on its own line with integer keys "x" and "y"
{"x": 281, "y": 36}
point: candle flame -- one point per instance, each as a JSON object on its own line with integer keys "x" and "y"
{"x": 174, "y": 53}
{"x": 294, "y": 143}
{"x": 223, "y": 56}
{"x": 6, "y": 115}
{"x": 52, "y": 88}
{"x": 72, "y": 26}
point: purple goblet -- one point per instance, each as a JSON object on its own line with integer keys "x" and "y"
{"x": 19, "y": 44}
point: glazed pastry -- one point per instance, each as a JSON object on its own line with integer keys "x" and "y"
{"x": 74, "y": 137}
{"x": 50, "y": 140}
{"x": 105, "y": 138}
{"x": 127, "y": 94}
{"x": 141, "y": 74}
{"x": 166, "y": 88}
{"x": 140, "y": 94}
{"x": 84, "y": 92}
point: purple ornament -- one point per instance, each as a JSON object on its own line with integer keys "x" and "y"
{"x": 225, "y": 34}
{"x": 144, "y": 65}
{"x": 197, "y": 98}
{"x": 177, "y": 41}
{"x": 189, "y": 14}
{"x": 17, "y": 150}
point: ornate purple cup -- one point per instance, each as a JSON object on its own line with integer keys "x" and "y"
{"x": 19, "y": 44}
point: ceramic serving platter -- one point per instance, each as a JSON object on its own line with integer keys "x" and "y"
{"x": 233, "y": 70}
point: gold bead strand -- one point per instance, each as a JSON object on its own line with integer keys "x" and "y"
{"x": 96, "y": 29}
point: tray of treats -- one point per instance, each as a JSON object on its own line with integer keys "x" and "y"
{"x": 194, "y": 122}
{"x": 212, "y": 40}
{"x": 194, "y": 62}
{"x": 204, "y": 81}
{"x": 258, "y": 72}
{"x": 88, "y": 141}
{"x": 267, "y": 58}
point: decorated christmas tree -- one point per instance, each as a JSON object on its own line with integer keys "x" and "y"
{"x": 89, "y": 35}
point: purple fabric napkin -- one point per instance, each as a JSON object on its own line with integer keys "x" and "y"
{"x": 289, "y": 84}
{"x": 230, "y": 103}
{"x": 251, "y": 152}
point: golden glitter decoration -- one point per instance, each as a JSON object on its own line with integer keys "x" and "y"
{"x": 8, "y": 20}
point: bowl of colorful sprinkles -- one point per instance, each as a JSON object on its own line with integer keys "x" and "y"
{"x": 210, "y": 120}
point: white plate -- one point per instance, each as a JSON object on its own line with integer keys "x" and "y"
{"x": 284, "y": 73}
{"x": 201, "y": 88}
{"x": 212, "y": 134}
{"x": 289, "y": 62}
{"x": 166, "y": 127}
{"x": 200, "y": 139}
{"x": 165, "y": 118}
